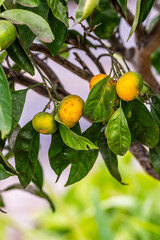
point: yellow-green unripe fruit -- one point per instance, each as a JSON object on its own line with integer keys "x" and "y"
{"x": 8, "y": 34}
{"x": 70, "y": 110}
{"x": 44, "y": 123}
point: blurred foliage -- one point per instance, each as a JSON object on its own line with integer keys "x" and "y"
{"x": 99, "y": 208}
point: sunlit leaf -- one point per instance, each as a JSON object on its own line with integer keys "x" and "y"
{"x": 28, "y": 3}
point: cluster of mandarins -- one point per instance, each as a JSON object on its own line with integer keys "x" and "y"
{"x": 70, "y": 108}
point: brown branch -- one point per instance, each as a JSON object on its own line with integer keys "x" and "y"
{"x": 50, "y": 74}
{"x": 143, "y": 158}
{"x": 62, "y": 61}
{"x": 26, "y": 81}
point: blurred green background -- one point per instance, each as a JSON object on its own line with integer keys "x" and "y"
{"x": 98, "y": 208}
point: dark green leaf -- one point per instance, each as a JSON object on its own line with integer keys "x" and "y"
{"x": 59, "y": 10}
{"x": 146, "y": 6}
{"x": 36, "y": 23}
{"x": 1, "y": 201}
{"x": 2, "y": 56}
{"x": 109, "y": 157}
{"x": 18, "y": 100}
{"x": 38, "y": 176}
{"x": 26, "y": 153}
{"x": 118, "y": 134}
{"x": 12, "y": 137}
{"x": 108, "y": 19}
{"x": 3, "y": 173}
{"x": 33, "y": 190}
{"x": 5, "y": 105}
{"x": 84, "y": 9}
{"x": 27, "y": 36}
{"x": 155, "y": 60}
{"x": 74, "y": 36}
{"x": 19, "y": 56}
{"x": 28, "y": 3}
{"x": 59, "y": 30}
{"x": 141, "y": 124}
{"x": 60, "y": 155}
{"x": 100, "y": 102}
{"x": 123, "y": 4}
{"x": 136, "y": 19}
{"x": 155, "y": 158}
{"x": 8, "y": 167}
{"x": 85, "y": 160}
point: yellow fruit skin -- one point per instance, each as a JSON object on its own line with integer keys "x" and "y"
{"x": 44, "y": 123}
{"x": 96, "y": 79}
{"x": 129, "y": 86}
{"x": 8, "y": 34}
{"x": 70, "y": 110}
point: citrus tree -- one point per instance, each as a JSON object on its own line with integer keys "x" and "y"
{"x": 123, "y": 105}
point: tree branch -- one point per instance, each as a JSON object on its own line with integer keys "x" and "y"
{"x": 143, "y": 158}
{"x": 26, "y": 81}
{"x": 62, "y": 61}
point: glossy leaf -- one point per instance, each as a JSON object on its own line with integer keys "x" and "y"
{"x": 36, "y": 23}
{"x": 136, "y": 19}
{"x": 73, "y": 140}
{"x": 85, "y": 160}
{"x": 107, "y": 19}
{"x": 118, "y": 134}
{"x": 59, "y": 10}
{"x": 155, "y": 158}
{"x": 155, "y": 60}
{"x": 143, "y": 127}
{"x": 59, "y": 30}
{"x": 20, "y": 57}
{"x": 2, "y": 56}
{"x": 8, "y": 167}
{"x": 33, "y": 190}
{"x": 18, "y": 100}
{"x": 26, "y": 153}
{"x": 61, "y": 156}
{"x": 5, "y": 105}
{"x": 3, "y": 173}
{"x": 84, "y": 9}
{"x": 109, "y": 157}
{"x": 26, "y": 35}
{"x": 28, "y": 3}
{"x": 100, "y": 102}
{"x": 38, "y": 176}
{"x": 123, "y": 4}
{"x": 146, "y": 6}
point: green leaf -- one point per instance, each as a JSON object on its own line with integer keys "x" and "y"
{"x": 28, "y": 3}
{"x": 123, "y": 4}
{"x": 38, "y": 176}
{"x": 118, "y": 134}
{"x": 109, "y": 157}
{"x": 74, "y": 36}
{"x": 73, "y": 140}
{"x": 33, "y": 190}
{"x": 36, "y": 23}
{"x": 136, "y": 19}
{"x": 2, "y": 56}
{"x": 19, "y": 56}
{"x": 3, "y": 173}
{"x": 108, "y": 19}
{"x": 1, "y": 201}
{"x": 146, "y": 6}
{"x": 84, "y": 9}
{"x": 100, "y": 102}
{"x": 26, "y": 35}
{"x": 143, "y": 127}
{"x": 59, "y": 10}
{"x": 5, "y": 105}
{"x": 60, "y": 155}
{"x": 26, "y": 153}
{"x": 155, "y": 158}
{"x": 18, "y": 100}
{"x": 155, "y": 60}
{"x": 8, "y": 167}
{"x": 59, "y": 30}
{"x": 85, "y": 160}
